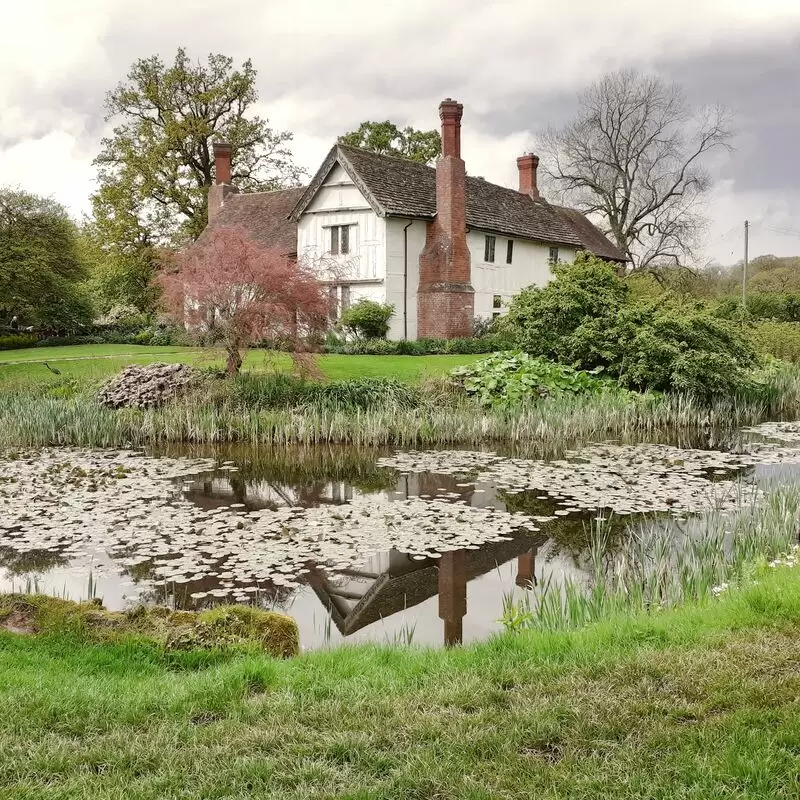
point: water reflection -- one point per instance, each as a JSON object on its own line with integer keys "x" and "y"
{"x": 388, "y": 583}
{"x": 452, "y": 597}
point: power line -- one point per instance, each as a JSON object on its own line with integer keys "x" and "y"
{"x": 784, "y": 231}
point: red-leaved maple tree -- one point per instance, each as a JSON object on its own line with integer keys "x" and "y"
{"x": 235, "y": 292}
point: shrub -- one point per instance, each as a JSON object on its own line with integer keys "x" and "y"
{"x": 367, "y": 319}
{"x": 776, "y": 306}
{"x": 665, "y": 345}
{"x": 778, "y": 339}
{"x": 15, "y": 341}
{"x": 482, "y": 326}
{"x": 422, "y": 347}
{"x": 287, "y": 391}
{"x": 564, "y": 321}
{"x": 586, "y": 318}
{"x": 513, "y": 378}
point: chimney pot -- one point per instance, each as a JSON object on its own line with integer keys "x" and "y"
{"x": 222, "y": 162}
{"x": 527, "y": 165}
{"x": 450, "y": 114}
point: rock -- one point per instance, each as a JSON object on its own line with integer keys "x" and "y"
{"x": 146, "y": 387}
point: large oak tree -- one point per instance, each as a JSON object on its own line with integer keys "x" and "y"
{"x": 156, "y": 168}
{"x": 636, "y": 156}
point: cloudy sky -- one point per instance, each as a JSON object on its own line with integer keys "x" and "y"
{"x": 326, "y": 65}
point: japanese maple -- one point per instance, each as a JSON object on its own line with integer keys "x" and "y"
{"x": 234, "y": 291}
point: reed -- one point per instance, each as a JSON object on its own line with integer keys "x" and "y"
{"x": 662, "y": 565}
{"x": 365, "y": 416}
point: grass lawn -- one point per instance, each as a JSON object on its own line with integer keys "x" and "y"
{"x": 21, "y": 367}
{"x": 700, "y": 702}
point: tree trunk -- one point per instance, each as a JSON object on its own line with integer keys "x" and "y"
{"x": 234, "y": 361}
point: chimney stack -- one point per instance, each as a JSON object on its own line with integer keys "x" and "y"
{"x": 222, "y": 162}
{"x": 527, "y": 165}
{"x": 446, "y": 299}
{"x": 450, "y": 114}
{"x": 222, "y": 186}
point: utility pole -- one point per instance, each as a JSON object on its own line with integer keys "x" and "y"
{"x": 744, "y": 269}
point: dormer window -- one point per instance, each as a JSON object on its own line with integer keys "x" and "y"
{"x": 340, "y": 240}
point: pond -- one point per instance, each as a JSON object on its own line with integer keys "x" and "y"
{"x": 355, "y": 545}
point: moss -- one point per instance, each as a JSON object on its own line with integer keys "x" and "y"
{"x": 226, "y": 627}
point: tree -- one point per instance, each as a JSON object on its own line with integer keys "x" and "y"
{"x": 634, "y": 155}
{"x": 234, "y": 292}
{"x": 388, "y": 139}
{"x": 155, "y": 170}
{"x": 41, "y": 271}
{"x": 119, "y": 277}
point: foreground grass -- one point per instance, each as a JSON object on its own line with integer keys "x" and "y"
{"x": 697, "y": 702}
{"x": 21, "y": 369}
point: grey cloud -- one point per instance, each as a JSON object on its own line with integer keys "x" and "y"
{"x": 332, "y": 70}
{"x": 758, "y": 82}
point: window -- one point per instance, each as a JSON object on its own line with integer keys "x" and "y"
{"x": 340, "y": 240}
{"x": 340, "y": 300}
{"x": 553, "y": 255}
{"x": 488, "y": 249}
{"x": 495, "y": 314}
{"x": 333, "y": 294}
{"x": 497, "y": 301}
{"x": 510, "y": 251}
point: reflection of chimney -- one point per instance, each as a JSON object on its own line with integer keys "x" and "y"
{"x": 527, "y": 165}
{"x": 526, "y": 568}
{"x": 453, "y": 594}
{"x": 223, "y": 186}
{"x": 446, "y": 299}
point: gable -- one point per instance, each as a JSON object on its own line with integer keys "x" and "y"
{"x": 337, "y": 192}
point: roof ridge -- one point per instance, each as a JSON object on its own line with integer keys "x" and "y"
{"x": 401, "y": 159}
{"x": 268, "y": 191}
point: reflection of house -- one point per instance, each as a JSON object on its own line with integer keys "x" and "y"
{"x": 440, "y": 246}
{"x": 392, "y": 582}
{"x": 217, "y": 491}
{"x": 388, "y": 582}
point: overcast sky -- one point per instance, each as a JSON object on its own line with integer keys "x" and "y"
{"x": 326, "y": 65}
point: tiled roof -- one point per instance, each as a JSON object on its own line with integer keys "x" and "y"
{"x": 265, "y": 215}
{"x": 398, "y": 187}
{"x": 408, "y": 189}
{"x": 594, "y": 240}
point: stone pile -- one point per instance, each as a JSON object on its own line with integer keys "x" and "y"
{"x": 146, "y": 387}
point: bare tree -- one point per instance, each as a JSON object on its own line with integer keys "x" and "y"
{"x": 634, "y": 155}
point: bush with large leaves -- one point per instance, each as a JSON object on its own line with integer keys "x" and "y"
{"x": 587, "y": 318}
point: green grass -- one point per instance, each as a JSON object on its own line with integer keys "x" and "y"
{"x": 698, "y": 702}
{"x": 21, "y": 368}
{"x": 85, "y": 351}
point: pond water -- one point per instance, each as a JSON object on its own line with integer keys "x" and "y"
{"x": 355, "y": 545}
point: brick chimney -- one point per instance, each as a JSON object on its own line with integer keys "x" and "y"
{"x": 446, "y": 299}
{"x": 527, "y": 165}
{"x": 223, "y": 186}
